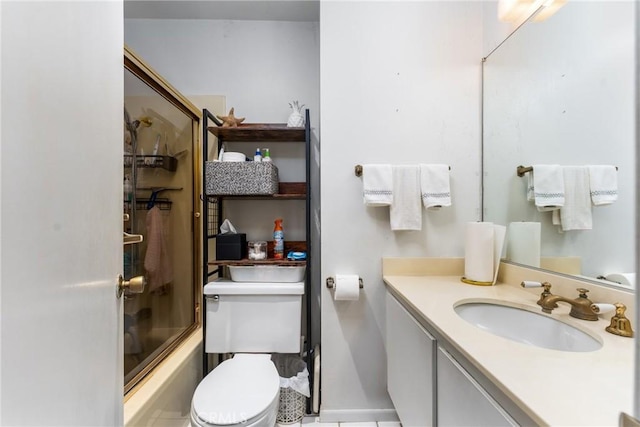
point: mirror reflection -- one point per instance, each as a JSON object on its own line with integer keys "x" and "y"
{"x": 561, "y": 92}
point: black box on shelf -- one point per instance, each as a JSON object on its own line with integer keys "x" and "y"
{"x": 231, "y": 246}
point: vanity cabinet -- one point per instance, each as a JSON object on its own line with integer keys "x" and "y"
{"x": 461, "y": 400}
{"x": 410, "y": 366}
{"x": 427, "y": 385}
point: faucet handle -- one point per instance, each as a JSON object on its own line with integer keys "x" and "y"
{"x": 545, "y": 285}
{"x": 530, "y": 284}
{"x": 602, "y": 308}
{"x": 582, "y": 292}
{"x": 534, "y": 284}
{"x": 620, "y": 325}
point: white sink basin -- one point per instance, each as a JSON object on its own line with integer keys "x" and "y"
{"x": 527, "y": 327}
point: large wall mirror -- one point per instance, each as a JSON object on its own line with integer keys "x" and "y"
{"x": 562, "y": 91}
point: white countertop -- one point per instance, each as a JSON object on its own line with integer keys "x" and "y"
{"x": 553, "y": 387}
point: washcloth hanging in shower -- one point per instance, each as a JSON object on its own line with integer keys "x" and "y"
{"x": 156, "y": 260}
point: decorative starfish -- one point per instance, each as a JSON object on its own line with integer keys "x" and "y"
{"x": 230, "y": 121}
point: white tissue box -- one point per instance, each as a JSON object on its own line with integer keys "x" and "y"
{"x": 241, "y": 178}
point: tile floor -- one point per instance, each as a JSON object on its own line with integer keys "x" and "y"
{"x": 314, "y": 422}
{"x": 178, "y": 420}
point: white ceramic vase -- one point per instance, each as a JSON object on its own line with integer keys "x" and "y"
{"x": 296, "y": 119}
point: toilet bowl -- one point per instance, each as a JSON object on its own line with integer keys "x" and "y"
{"x": 242, "y": 391}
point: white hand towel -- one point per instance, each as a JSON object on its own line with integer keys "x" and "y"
{"x": 576, "y": 212}
{"x": 406, "y": 211}
{"x": 548, "y": 186}
{"x": 434, "y": 184}
{"x": 603, "y": 181}
{"x": 377, "y": 185}
{"x": 530, "y": 194}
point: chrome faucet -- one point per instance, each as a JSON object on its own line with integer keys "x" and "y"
{"x": 580, "y": 307}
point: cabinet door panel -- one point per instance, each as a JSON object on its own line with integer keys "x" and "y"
{"x": 410, "y": 358}
{"x": 462, "y": 401}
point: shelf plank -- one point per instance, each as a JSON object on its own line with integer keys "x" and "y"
{"x": 289, "y": 245}
{"x": 249, "y": 262}
{"x": 262, "y": 132}
{"x": 264, "y": 197}
{"x": 286, "y": 191}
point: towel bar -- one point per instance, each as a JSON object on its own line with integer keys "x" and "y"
{"x": 521, "y": 170}
{"x": 358, "y": 170}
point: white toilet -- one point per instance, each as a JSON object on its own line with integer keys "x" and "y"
{"x": 251, "y": 320}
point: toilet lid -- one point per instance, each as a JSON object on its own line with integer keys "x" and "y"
{"x": 237, "y": 390}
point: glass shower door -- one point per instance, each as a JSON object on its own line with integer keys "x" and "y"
{"x": 159, "y": 200}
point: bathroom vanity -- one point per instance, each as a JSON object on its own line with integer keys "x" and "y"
{"x": 443, "y": 370}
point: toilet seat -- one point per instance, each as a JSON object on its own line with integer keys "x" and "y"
{"x": 239, "y": 391}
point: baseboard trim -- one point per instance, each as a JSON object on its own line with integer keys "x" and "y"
{"x": 357, "y": 415}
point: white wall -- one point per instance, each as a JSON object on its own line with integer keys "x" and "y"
{"x": 260, "y": 66}
{"x": 400, "y": 83}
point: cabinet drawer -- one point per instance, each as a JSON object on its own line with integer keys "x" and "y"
{"x": 410, "y": 372}
{"x": 462, "y": 401}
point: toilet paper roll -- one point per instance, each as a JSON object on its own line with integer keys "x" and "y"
{"x": 523, "y": 243}
{"x": 347, "y": 287}
{"x": 479, "y": 252}
{"x": 625, "y": 279}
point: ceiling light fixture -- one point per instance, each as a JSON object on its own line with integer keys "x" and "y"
{"x": 517, "y": 11}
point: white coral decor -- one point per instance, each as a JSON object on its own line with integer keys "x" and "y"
{"x": 296, "y": 119}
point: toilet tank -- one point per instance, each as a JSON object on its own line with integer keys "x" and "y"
{"x": 245, "y": 317}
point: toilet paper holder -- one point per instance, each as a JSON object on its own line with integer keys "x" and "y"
{"x": 331, "y": 282}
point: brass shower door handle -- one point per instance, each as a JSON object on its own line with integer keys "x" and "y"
{"x": 135, "y": 285}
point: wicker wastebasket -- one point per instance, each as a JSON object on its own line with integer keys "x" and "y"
{"x": 294, "y": 384}
{"x": 291, "y": 407}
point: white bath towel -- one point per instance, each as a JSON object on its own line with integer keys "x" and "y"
{"x": 603, "y": 182}
{"x": 434, "y": 185}
{"x": 576, "y": 212}
{"x": 406, "y": 209}
{"x": 548, "y": 186}
{"x": 377, "y": 185}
